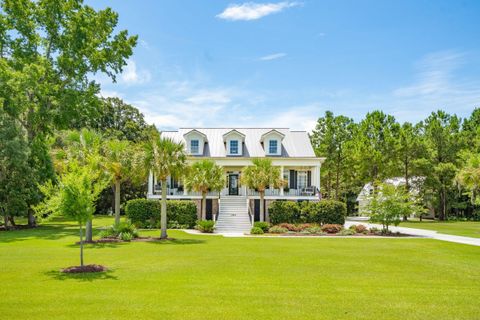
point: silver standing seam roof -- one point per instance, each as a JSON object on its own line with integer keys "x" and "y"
{"x": 295, "y": 144}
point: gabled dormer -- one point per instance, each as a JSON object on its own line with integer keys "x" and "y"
{"x": 272, "y": 142}
{"x": 234, "y": 141}
{"x": 195, "y": 142}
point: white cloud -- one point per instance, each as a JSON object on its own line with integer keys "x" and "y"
{"x": 131, "y": 75}
{"x": 273, "y": 56}
{"x": 252, "y": 11}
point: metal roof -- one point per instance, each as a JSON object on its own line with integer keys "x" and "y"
{"x": 295, "y": 144}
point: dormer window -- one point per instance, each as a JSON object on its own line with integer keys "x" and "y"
{"x": 194, "y": 146}
{"x": 273, "y": 147}
{"x": 233, "y": 140}
{"x": 234, "y": 147}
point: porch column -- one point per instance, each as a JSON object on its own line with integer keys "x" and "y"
{"x": 281, "y": 177}
{"x": 316, "y": 177}
{"x": 150, "y": 184}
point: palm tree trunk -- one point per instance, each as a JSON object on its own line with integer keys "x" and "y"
{"x": 204, "y": 206}
{"x": 81, "y": 244}
{"x": 89, "y": 231}
{"x": 5, "y": 222}
{"x": 117, "y": 201}
{"x": 262, "y": 205}
{"x": 163, "y": 215}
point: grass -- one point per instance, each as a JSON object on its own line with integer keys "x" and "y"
{"x": 458, "y": 228}
{"x": 212, "y": 277}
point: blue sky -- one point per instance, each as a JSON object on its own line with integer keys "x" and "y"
{"x": 284, "y": 63}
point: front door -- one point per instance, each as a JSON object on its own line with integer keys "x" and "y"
{"x": 233, "y": 184}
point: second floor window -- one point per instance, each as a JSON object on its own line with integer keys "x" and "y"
{"x": 272, "y": 147}
{"x": 194, "y": 147}
{"x": 233, "y": 146}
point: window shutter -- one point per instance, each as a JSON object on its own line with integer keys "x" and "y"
{"x": 292, "y": 179}
{"x": 309, "y": 178}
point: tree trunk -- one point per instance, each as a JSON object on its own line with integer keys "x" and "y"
{"x": 12, "y": 221}
{"x": 117, "y": 201}
{"x": 32, "y": 222}
{"x": 262, "y": 206}
{"x": 89, "y": 231}
{"x": 163, "y": 215}
{"x": 203, "y": 206}
{"x": 5, "y": 222}
{"x": 407, "y": 186}
{"x": 442, "y": 204}
{"x": 81, "y": 245}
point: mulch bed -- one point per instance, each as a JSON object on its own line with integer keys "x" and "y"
{"x": 116, "y": 240}
{"x": 89, "y": 268}
{"x": 357, "y": 235}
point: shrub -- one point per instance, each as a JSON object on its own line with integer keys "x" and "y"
{"x": 205, "y": 226}
{"x": 277, "y": 229}
{"x": 314, "y": 230}
{"x": 347, "y": 232}
{"x": 322, "y": 212}
{"x": 256, "y": 230}
{"x": 146, "y": 213}
{"x": 262, "y": 225}
{"x": 330, "y": 212}
{"x": 125, "y": 231}
{"x": 125, "y": 236}
{"x": 304, "y": 226}
{"x": 182, "y": 211}
{"x": 289, "y": 227}
{"x": 175, "y": 225}
{"x": 142, "y": 212}
{"x": 284, "y": 212}
{"x": 331, "y": 228}
{"x": 360, "y": 228}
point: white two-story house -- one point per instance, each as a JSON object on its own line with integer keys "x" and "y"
{"x": 236, "y": 206}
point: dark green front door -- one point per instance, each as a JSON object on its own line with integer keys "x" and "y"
{"x": 233, "y": 184}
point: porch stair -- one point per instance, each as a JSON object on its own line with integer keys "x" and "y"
{"x": 233, "y": 215}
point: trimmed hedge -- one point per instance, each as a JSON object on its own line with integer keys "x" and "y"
{"x": 146, "y": 213}
{"x": 322, "y": 212}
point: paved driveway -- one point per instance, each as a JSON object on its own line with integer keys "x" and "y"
{"x": 422, "y": 233}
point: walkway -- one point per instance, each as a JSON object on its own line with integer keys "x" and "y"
{"x": 422, "y": 233}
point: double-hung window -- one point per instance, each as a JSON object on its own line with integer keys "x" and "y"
{"x": 233, "y": 146}
{"x": 273, "y": 147}
{"x": 194, "y": 147}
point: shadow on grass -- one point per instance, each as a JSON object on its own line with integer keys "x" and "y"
{"x": 97, "y": 245}
{"x": 175, "y": 241}
{"x": 92, "y": 276}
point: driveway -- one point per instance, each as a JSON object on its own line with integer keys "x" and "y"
{"x": 422, "y": 233}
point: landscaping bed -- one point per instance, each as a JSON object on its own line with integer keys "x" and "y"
{"x": 90, "y": 268}
{"x": 316, "y": 230}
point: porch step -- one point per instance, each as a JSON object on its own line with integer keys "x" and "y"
{"x": 233, "y": 215}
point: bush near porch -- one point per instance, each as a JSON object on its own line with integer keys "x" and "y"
{"x": 322, "y": 212}
{"x": 145, "y": 213}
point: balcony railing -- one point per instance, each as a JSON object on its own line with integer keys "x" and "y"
{"x": 304, "y": 192}
{"x": 180, "y": 192}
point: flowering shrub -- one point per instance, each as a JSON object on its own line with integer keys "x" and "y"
{"x": 277, "y": 229}
{"x": 331, "y": 228}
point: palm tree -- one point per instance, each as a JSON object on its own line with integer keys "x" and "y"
{"x": 83, "y": 147}
{"x": 164, "y": 157}
{"x": 261, "y": 175}
{"x": 203, "y": 176}
{"x": 469, "y": 177}
{"x": 119, "y": 163}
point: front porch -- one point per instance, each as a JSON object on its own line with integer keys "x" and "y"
{"x": 301, "y": 184}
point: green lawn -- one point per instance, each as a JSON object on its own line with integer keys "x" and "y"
{"x": 458, "y": 228}
{"x": 211, "y": 277}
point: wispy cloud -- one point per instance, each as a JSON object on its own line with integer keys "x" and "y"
{"x": 131, "y": 75}
{"x": 253, "y": 11}
{"x": 273, "y": 56}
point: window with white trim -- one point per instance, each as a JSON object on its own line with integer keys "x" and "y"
{"x": 272, "y": 146}
{"x": 302, "y": 179}
{"x": 194, "y": 146}
{"x": 233, "y": 146}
